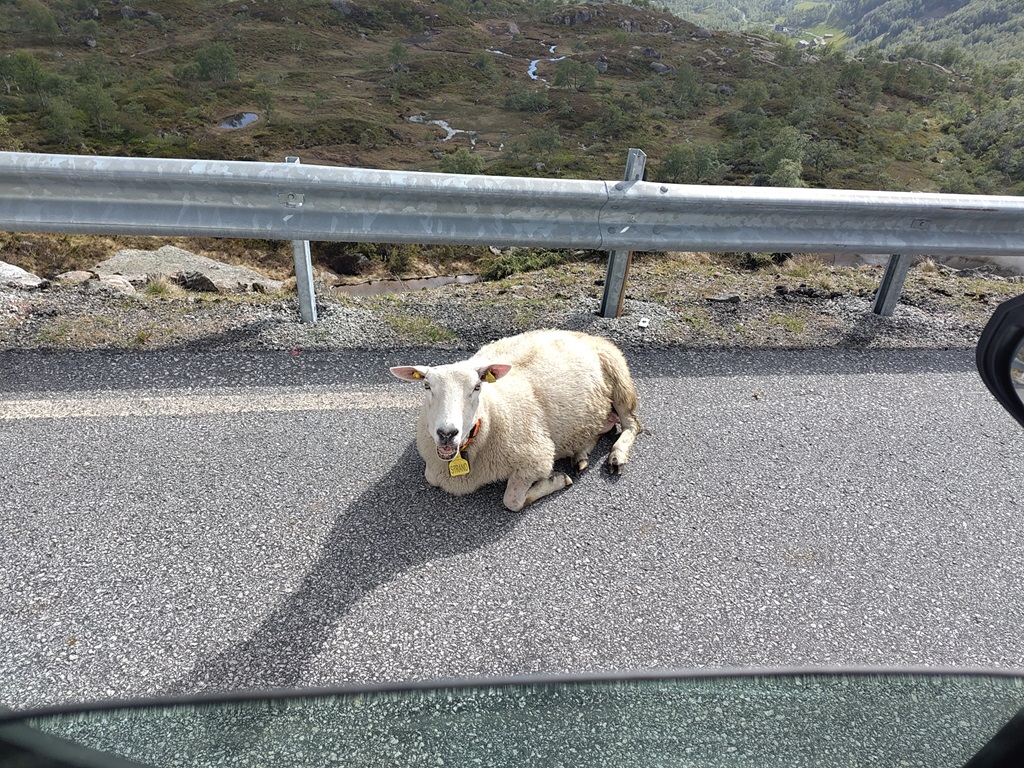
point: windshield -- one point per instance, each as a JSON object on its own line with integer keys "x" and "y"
{"x": 790, "y": 720}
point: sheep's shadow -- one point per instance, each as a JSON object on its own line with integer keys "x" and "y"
{"x": 397, "y": 524}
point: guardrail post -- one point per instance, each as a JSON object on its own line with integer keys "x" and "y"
{"x": 619, "y": 261}
{"x": 892, "y": 284}
{"x": 303, "y": 273}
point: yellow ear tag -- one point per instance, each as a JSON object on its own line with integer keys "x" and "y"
{"x": 458, "y": 466}
{"x": 417, "y": 375}
{"x": 489, "y": 378}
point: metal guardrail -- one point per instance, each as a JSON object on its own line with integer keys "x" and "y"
{"x": 292, "y": 201}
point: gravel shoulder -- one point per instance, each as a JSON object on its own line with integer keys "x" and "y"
{"x": 684, "y": 300}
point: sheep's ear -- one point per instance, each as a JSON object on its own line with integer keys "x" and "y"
{"x": 410, "y": 372}
{"x": 491, "y": 373}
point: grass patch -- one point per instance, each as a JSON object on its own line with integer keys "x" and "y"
{"x": 789, "y": 323}
{"x": 803, "y": 266}
{"x": 418, "y": 330}
{"x": 162, "y": 286}
{"x": 517, "y": 260}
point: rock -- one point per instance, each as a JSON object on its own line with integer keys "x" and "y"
{"x": 651, "y": 53}
{"x": 74, "y": 277}
{"x": 578, "y": 16}
{"x": 601, "y": 67}
{"x": 177, "y": 265}
{"x": 727, "y": 298}
{"x": 118, "y": 282}
{"x": 196, "y": 281}
{"x": 702, "y": 34}
{"x": 344, "y": 7}
{"x": 661, "y": 69}
{"x": 513, "y": 29}
{"x": 725, "y": 90}
{"x": 16, "y": 277}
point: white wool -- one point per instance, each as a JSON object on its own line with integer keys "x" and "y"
{"x": 553, "y": 402}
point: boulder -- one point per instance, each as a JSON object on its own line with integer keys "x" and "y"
{"x": 74, "y": 277}
{"x": 191, "y": 270}
{"x": 16, "y": 277}
{"x": 118, "y": 282}
{"x": 574, "y": 16}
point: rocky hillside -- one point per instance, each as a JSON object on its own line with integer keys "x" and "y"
{"x": 505, "y": 87}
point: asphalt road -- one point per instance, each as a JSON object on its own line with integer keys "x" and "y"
{"x": 196, "y": 522}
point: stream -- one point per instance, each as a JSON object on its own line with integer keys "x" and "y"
{"x": 453, "y": 132}
{"x": 532, "y": 71}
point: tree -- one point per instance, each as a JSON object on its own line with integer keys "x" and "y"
{"x": 692, "y": 164}
{"x": 96, "y": 104}
{"x": 33, "y": 77}
{"x": 787, "y": 145}
{"x": 544, "y": 140}
{"x": 686, "y": 88}
{"x": 40, "y": 21}
{"x": 315, "y": 101}
{"x": 787, "y": 174}
{"x": 62, "y": 122}
{"x": 265, "y": 103}
{"x": 647, "y": 93}
{"x": 576, "y": 75}
{"x": 462, "y": 161}
{"x": 397, "y": 54}
{"x": 752, "y": 94}
{"x": 216, "y": 62}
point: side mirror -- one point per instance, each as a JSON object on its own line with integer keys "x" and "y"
{"x": 1000, "y": 356}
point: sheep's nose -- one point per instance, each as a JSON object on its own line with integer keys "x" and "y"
{"x": 447, "y": 435}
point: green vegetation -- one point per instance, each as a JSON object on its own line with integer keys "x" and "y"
{"x": 517, "y": 260}
{"x": 418, "y": 330}
{"x": 336, "y": 83}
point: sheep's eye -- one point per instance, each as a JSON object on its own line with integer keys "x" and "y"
{"x": 426, "y": 385}
{"x": 476, "y": 388}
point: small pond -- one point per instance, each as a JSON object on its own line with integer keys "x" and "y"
{"x": 240, "y": 120}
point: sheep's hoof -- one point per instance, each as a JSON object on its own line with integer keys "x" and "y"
{"x": 614, "y": 467}
{"x": 582, "y": 464}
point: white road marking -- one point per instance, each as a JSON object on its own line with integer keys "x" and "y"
{"x": 145, "y": 404}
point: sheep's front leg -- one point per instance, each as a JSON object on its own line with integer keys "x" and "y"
{"x": 523, "y": 491}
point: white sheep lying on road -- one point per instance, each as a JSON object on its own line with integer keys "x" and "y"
{"x": 519, "y": 404}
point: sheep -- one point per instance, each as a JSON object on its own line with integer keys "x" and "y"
{"x": 519, "y": 404}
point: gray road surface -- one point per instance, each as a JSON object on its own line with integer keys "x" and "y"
{"x": 194, "y": 522}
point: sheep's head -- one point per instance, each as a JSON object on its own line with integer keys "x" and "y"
{"x": 452, "y": 399}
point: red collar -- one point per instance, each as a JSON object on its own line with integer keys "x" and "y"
{"x": 472, "y": 434}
